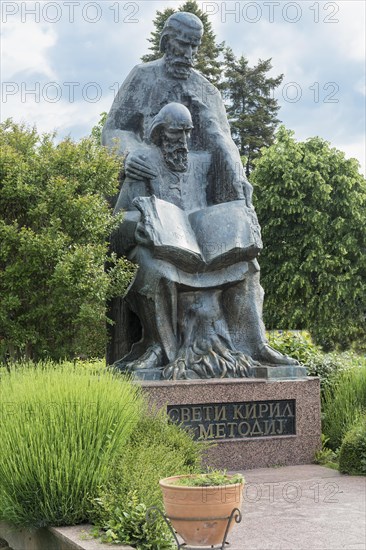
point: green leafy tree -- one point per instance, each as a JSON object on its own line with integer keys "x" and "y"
{"x": 207, "y": 61}
{"x": 251, "y": 108}
{"x": 311, "y": 204}
{"x": 53, "y": 229}
{"x": 96, "y": 132}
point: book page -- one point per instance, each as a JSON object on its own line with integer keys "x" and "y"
{"x": 227, "y": 233}
{"x": 172, "y": 235}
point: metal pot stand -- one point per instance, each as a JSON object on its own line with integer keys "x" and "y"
{"x": 153, "y": 512}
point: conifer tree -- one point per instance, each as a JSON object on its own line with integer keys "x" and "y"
{"x": 207, "y": 61}
{"x": 250, "y": 106}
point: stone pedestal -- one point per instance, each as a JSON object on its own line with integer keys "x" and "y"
{"x": 254, "y": 423}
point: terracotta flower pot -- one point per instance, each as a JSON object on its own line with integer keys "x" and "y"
{"x": 200, "y": 514}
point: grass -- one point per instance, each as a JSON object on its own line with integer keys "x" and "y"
{"x": 61, "y": 427}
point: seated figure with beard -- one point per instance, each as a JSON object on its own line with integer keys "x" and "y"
{"x": 180, "y": 298}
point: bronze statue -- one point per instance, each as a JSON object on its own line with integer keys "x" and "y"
{"x": 189, "y": 223}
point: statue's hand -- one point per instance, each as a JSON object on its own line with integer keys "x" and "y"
{"x": 137, "y": 166}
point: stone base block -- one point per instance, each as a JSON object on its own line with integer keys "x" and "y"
{"x": 279, "y": 372}
{"x": 253, "y": 423}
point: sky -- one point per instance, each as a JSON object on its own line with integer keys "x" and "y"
{"x": 63, "y": 61}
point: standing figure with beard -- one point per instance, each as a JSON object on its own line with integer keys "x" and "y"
{"x": 218, "y": 178}
{"x": 171, "y": 78}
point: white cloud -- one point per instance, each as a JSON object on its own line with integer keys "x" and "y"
{"x": 355, "y": 150}
{"x": 283, "y": 43}
{"x": 61, "y": 116}
{"x": 25, "y": 49}
{"x": 360, "y": 86}
{"x": 348, "y": 35}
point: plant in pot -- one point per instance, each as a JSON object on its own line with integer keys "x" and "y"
{"x": 202, "y": 508}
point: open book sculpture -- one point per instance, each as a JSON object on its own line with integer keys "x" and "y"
{"x": 189, "y": 243}
{"x": 194, "y": 308}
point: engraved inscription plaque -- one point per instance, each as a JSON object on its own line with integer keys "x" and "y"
{"x": 215, "y": 421}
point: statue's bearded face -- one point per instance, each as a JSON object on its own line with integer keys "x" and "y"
{"x": 181, "y": 49}
{"x": 175, "y": 149}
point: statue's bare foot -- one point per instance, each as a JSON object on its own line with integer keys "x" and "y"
{"x": 178, "y": 370}
{"x": 269, "y": 355}
{"x": 151, "y": 359}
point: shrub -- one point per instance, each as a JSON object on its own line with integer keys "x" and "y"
{"x": 343, "y": 404}
{"x": 62, "y": 427}
{"x": 53, "y": 231}
{"x": 156, "y": 449}
{"x": 127, "y": 524}
{"x": 327, "y": 366}
{"x": 352, "y": 456}
{"x": 296, "y": 344}
{"x": 299, "y": 345}
{"x": 326, "y": 456}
